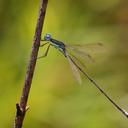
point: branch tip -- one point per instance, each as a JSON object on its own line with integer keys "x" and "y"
{"x": 27, "y": 108}
{"x": 19, "y": 110}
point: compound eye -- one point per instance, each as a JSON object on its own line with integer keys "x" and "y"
{"x": 47, "y": 37}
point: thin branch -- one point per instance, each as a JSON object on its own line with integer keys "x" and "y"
{"x": 22, "y": 105}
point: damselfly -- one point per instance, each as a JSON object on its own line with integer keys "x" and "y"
{"x": 75, "y": 63}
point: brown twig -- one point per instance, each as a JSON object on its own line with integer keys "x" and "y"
{"x": 22, "y": 106}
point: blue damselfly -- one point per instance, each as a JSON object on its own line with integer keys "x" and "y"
{"x": 76, "y": 63}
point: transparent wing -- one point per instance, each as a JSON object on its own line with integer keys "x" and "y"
{"x": 88, "y": 48}
{"x": 85, "y": 52}
{"x": 82, "y": 55}
{"x": 74, "y": 69}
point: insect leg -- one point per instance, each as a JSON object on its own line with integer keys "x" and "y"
{"x": 46, "y": 53}
{"x": 44, "y": 44}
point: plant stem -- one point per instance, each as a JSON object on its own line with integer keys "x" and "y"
{"x": 21, "y": 106}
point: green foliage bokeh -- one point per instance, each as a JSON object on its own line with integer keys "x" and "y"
{"x": 56, "y": 100}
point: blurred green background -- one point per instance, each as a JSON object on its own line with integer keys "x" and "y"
{"x": 56, "y": 100}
